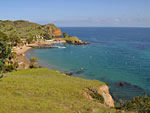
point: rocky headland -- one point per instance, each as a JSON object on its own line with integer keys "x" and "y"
{"x": 75, "y": 41}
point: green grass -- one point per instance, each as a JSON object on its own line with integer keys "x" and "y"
{"x": 46, "y": 91}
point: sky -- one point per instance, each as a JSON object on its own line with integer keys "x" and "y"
{"x": 79, "y": 13}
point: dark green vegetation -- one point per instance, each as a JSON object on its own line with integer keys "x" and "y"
{"x": 5, "y": 51}
{"x": 12, "y": 40}
{"x": 24, "y": 29}
{"x": 7, "y": 58}
{"x": 73, "y": 40}
{"x": 95, "y": 95}
{"x": 33, "y": 62}
{"x": 64, "y": 34}
{"x": 139, "y": 104}
{"x": 45, "y": 91}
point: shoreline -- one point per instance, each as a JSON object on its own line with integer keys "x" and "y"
{"x": 22, "y": 50}
{"x": 21, "y": 58}
{"x": 23, "y": 62}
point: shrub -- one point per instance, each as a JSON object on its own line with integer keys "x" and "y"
{"x": 30, "y": 40}
{"x": 64, "y": 34}
{"x": 33, "y": 66}
{"x": 1, "y": 76}
{"x": 95, "y": 95}
{"x": 5, "y": 51}
{"x": 10, "y": 68}
{"x": 40, "y": 66}
{"x": 34, "y": 62}
{"x": 140, "y": 104}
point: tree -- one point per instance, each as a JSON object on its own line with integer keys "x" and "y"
{"x": 29, "y": 40}
{"x": 46, "y": 36}
{"x": 12, "y": 55}
{"x": 14, "y": 39}
{"x": 5, "y": 51}
{"x": 64, "y": 34}
{"x": 34, "y": 62}
{"x": 3, "y": 37}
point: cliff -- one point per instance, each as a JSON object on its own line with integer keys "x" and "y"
{"x": 104, "y": 91}
{"x": 55, "y": 32}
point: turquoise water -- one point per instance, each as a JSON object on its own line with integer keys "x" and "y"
{"x": 115, "y": 55}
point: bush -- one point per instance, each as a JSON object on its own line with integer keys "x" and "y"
{"x": 16, "y": 65}
{"x": 34, "y": 62}
{"x": 5, "y": 51}
{"x": 95, "y": 95}
{"x": 10, "y": 68}
{"x": 1, "y": 76}
{"x": 40, "y": 66}
{"x": 30, "y": 40}
{"x": 33, "y": 66}
{"x": 140, "y": 104}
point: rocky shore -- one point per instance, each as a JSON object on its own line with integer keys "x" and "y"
{"x": 75, "y": 41}
{"x": 78, "y": 43}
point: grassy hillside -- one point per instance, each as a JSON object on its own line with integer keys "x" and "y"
{"x": 46, "y": 91}
{"x": 23, "y": 28}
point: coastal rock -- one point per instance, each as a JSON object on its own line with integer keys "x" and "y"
{"x": 78, "y": 42}
{"x": 128, "y": 85}
{"x": 69, "y": 74}
{"x": 104, "y": 92}
{"x": 75, "y": 41}
{"x": 76, "y": 72}
{"x": 55, "y": 32}
{"x": 148, "y": 79}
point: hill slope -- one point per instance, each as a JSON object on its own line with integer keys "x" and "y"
{"x": 46, "y": 91}
{"x": 23, "y": 28}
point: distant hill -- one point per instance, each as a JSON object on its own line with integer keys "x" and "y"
{"x": 23, "y": 28}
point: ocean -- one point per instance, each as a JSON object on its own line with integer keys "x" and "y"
{"x": 118, "y": 56}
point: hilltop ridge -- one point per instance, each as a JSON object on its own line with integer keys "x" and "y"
{"x": 23, "y": 28}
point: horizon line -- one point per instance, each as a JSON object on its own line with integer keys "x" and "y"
{"x": 77, "y": 26}
{"x": 110, "y": 26}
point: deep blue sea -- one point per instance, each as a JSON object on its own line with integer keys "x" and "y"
{"x": 117, "y": 56}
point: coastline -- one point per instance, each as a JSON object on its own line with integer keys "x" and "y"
{"x": 25, "y": 63}
{"x": 22, "y": 50}
{"x": 21, "y": 57}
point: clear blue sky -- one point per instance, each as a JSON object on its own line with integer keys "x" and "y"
{"x": 79, "y": 12}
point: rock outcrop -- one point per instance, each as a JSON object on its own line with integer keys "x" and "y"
{"x": 75, "y": 41}
{"x": 55, "y": 32}
{"x": 104, "y": 92}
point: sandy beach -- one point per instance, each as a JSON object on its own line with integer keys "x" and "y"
{"x": 22, "y": 50}
{"x": 21, "y": 59}
{"x": 21, "y": 56}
